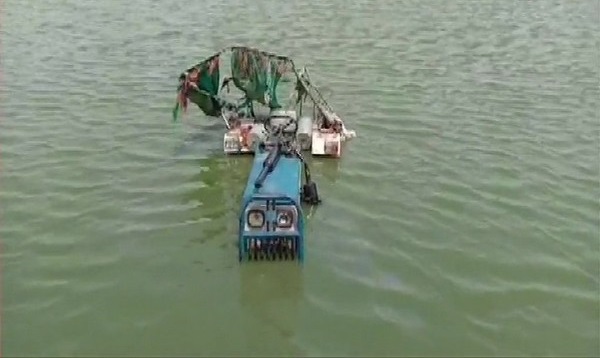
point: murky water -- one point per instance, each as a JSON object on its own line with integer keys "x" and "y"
{"x": 464, "y": 219}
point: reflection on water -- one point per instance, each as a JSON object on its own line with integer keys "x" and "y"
{"x": 200, "y": 139}
{"x": 326, "y": 168}
{"x": 270, "y": 295}
{"x": 215, "y": 192}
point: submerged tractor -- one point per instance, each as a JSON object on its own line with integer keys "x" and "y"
{"x": 271, "y": 221}
{"x": 271, "y": 224}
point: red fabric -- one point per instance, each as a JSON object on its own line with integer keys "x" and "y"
{"x": 245, "y": 131}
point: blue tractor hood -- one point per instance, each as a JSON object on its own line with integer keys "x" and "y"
{"x": 271, "y": 222}
{"x": 285, "y": 179}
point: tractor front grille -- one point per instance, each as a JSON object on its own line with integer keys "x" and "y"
{"x": 283, "y": 248}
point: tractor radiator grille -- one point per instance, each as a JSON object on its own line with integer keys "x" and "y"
{"x": 271, "y": 248}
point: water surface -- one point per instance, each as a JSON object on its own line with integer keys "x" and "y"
{"x": 463, "y": 220}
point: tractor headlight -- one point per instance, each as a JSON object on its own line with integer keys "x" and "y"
{"x": 285, "y": 218}
{"x": 255, "y": 218}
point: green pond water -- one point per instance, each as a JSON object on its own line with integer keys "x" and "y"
{"x": 463, "y": 219}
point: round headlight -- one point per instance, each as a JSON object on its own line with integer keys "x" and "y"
{"x": 285, "y": 218}
{"x": 256, "y": 218}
